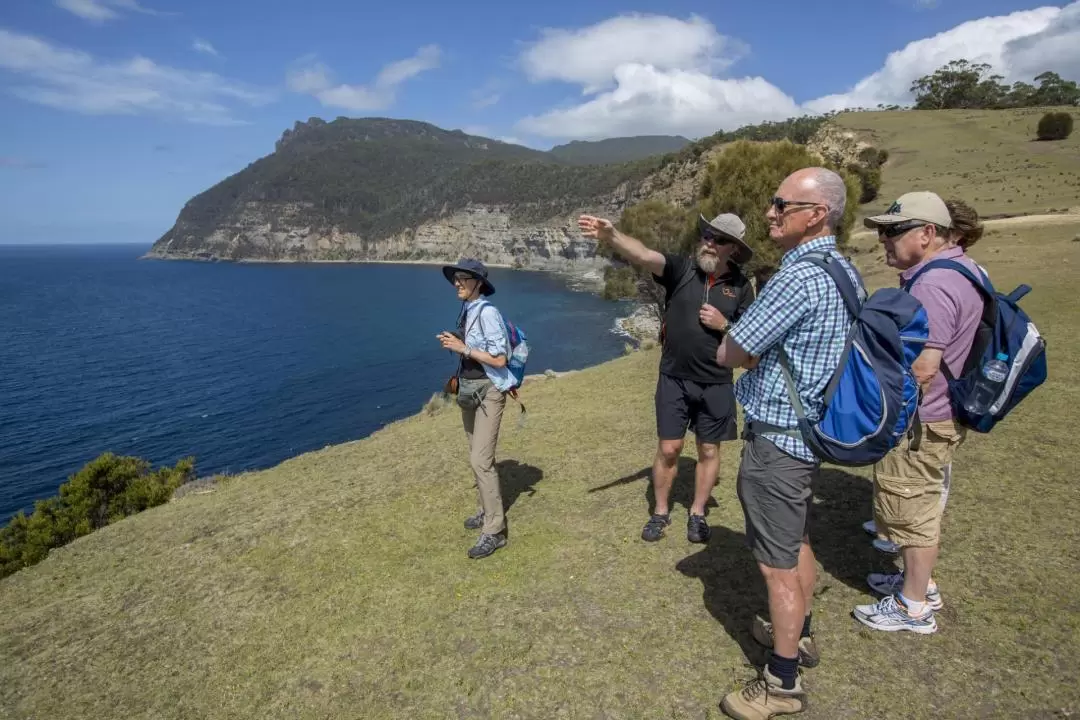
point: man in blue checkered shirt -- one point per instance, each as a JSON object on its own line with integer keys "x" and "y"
{"x": 801, "y": 310}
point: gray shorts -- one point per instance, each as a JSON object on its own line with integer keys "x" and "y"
{"x": 774, "y": 489}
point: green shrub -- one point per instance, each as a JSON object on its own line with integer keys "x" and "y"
{"x": 620, "y": 283}
{"x": 107, "y": 489}
{"x": 869, "y": 181}
{"x": 1055, "y": 126}
{"x": 661, "y": 226}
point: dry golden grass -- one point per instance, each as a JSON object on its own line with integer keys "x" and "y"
{"x": 336, "y": 584}
{"x": 989, "y": 158}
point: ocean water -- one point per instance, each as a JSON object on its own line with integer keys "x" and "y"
{"x": 239, "y": 365}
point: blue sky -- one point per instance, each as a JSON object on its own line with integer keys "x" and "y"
{"x": 115, "y": 112}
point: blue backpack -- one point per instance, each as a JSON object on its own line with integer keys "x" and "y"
{"x": 873, "y": 396}
{"x": 1004, "y": 328}
{"x": 519, "y": 350}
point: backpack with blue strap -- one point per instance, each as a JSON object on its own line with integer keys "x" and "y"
{"x": 518, "y": 357}
{"x": 873, "y": 397}
{"x": 1004, "y": 329}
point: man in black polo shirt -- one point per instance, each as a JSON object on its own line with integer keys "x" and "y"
{"x": 705, "y": 294}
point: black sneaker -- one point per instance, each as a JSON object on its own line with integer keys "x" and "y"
{"x": 654, "y": 529}
{"x": 486, "y": 545}
{"x": 475, "y": 522}
{"x": 697, "y": 530}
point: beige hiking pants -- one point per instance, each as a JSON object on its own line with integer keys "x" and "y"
{"x": 482, "y": 430}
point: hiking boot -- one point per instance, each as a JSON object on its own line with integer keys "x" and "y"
{"x": 809, "y": 655}
{"x": 892, "y": 584}
{"x": 486, "y": 545}
{"x": 891, "y": 615}
{"x": 764, "y": 698}
{"x": 654, "y": 529}
{"x": 475, "y": 522}
{"x": 697, "y": 530}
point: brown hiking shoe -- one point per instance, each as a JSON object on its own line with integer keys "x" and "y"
{"x": 809, "y": 655}
{"x": 764, "y": 698}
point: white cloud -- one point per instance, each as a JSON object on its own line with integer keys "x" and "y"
{"x": 204, "y": 46}
{"x": 1056, "y": 47}
{"x": 987, "y": 40}
{"x": 98, "y": 11}
{"x": 647, "y": 100}
{"x": 313, "y": 78}
{"x": 590, "y": 56}
{"x": 76, "y": 81}
{"x": 648, "y": 74}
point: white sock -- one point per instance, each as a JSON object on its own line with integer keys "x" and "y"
{"x": 915, "y": 609}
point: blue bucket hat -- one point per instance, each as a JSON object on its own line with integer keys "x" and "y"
{"x": 474, "y": 268}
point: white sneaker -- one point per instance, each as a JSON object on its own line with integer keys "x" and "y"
{"x": 886, "y": 546}
{"x": 870, "y": 527}
{"x": 890, "y": 615}
{"x": 893, "y": 583}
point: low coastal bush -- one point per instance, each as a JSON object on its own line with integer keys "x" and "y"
{"x": 105, "y": 490}
{"x": 1055, "y": 126}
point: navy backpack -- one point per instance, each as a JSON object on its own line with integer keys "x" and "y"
{"x": 1004, "y": 328}
{"x": 873, "y": 396}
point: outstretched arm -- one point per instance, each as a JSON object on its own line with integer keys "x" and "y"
{"x": 630, "y": 249}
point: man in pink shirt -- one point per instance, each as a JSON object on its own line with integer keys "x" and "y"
{"x": 908, "y": 481}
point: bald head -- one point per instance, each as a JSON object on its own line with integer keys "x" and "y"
{"x": 813, "y": 205}
{"x": 824, "y": 186}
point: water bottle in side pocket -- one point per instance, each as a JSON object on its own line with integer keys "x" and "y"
{"x": 988, "y": 385}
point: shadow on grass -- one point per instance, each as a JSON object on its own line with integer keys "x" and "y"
{"x": 733, "y": 590}
{"x": 682, "y": 490}
{"x": 516, "y": 478}
{"x": 843, "y": 502}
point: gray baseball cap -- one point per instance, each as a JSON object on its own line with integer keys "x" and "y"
{"x": 732, "y": 228}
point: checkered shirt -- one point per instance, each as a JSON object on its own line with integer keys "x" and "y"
{"x": 800, "y": 308}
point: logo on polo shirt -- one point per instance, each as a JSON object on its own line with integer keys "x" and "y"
{"x": 728, "y": 292}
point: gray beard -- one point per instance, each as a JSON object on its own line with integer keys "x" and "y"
{"x": 707, "y": 263}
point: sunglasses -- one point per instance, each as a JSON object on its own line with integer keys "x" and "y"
{"x": 714, "y": 238}
{"x": 462, "y": 278}
{"x": 782, "y": 205}
{"x": 893, "y": 231}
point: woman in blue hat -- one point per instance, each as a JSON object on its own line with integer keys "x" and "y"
{"x": 483, "y": 381}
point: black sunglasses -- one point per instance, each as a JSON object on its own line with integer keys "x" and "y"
{"x": 782, "y": 205}
{"x": 718, "y": 239}
{"x": 892, "y": 231}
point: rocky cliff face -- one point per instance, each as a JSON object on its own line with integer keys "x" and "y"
{"x": 266, "y": 232}
{"x": 277, "y": 231}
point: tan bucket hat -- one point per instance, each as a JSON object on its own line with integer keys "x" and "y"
{"x": 732, "y": 228}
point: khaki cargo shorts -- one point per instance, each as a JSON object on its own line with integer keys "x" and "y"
{"x": 908, "y": 483}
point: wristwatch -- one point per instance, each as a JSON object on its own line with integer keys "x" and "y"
{"x": 468, "y": 351}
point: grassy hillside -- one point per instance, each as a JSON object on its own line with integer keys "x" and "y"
{"x": 336, "y": 584}
{"x": 988, "y": 157}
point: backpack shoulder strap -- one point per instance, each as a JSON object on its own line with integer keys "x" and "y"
{"x": 839, "y": 276}
{"x": 981, "y": 283}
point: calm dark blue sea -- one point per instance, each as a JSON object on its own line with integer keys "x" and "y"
{"x": 241, "y": 366}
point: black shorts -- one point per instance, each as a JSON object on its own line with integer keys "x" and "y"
{"x": 775, "y": 490}
{"x": 708, "y": 409}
